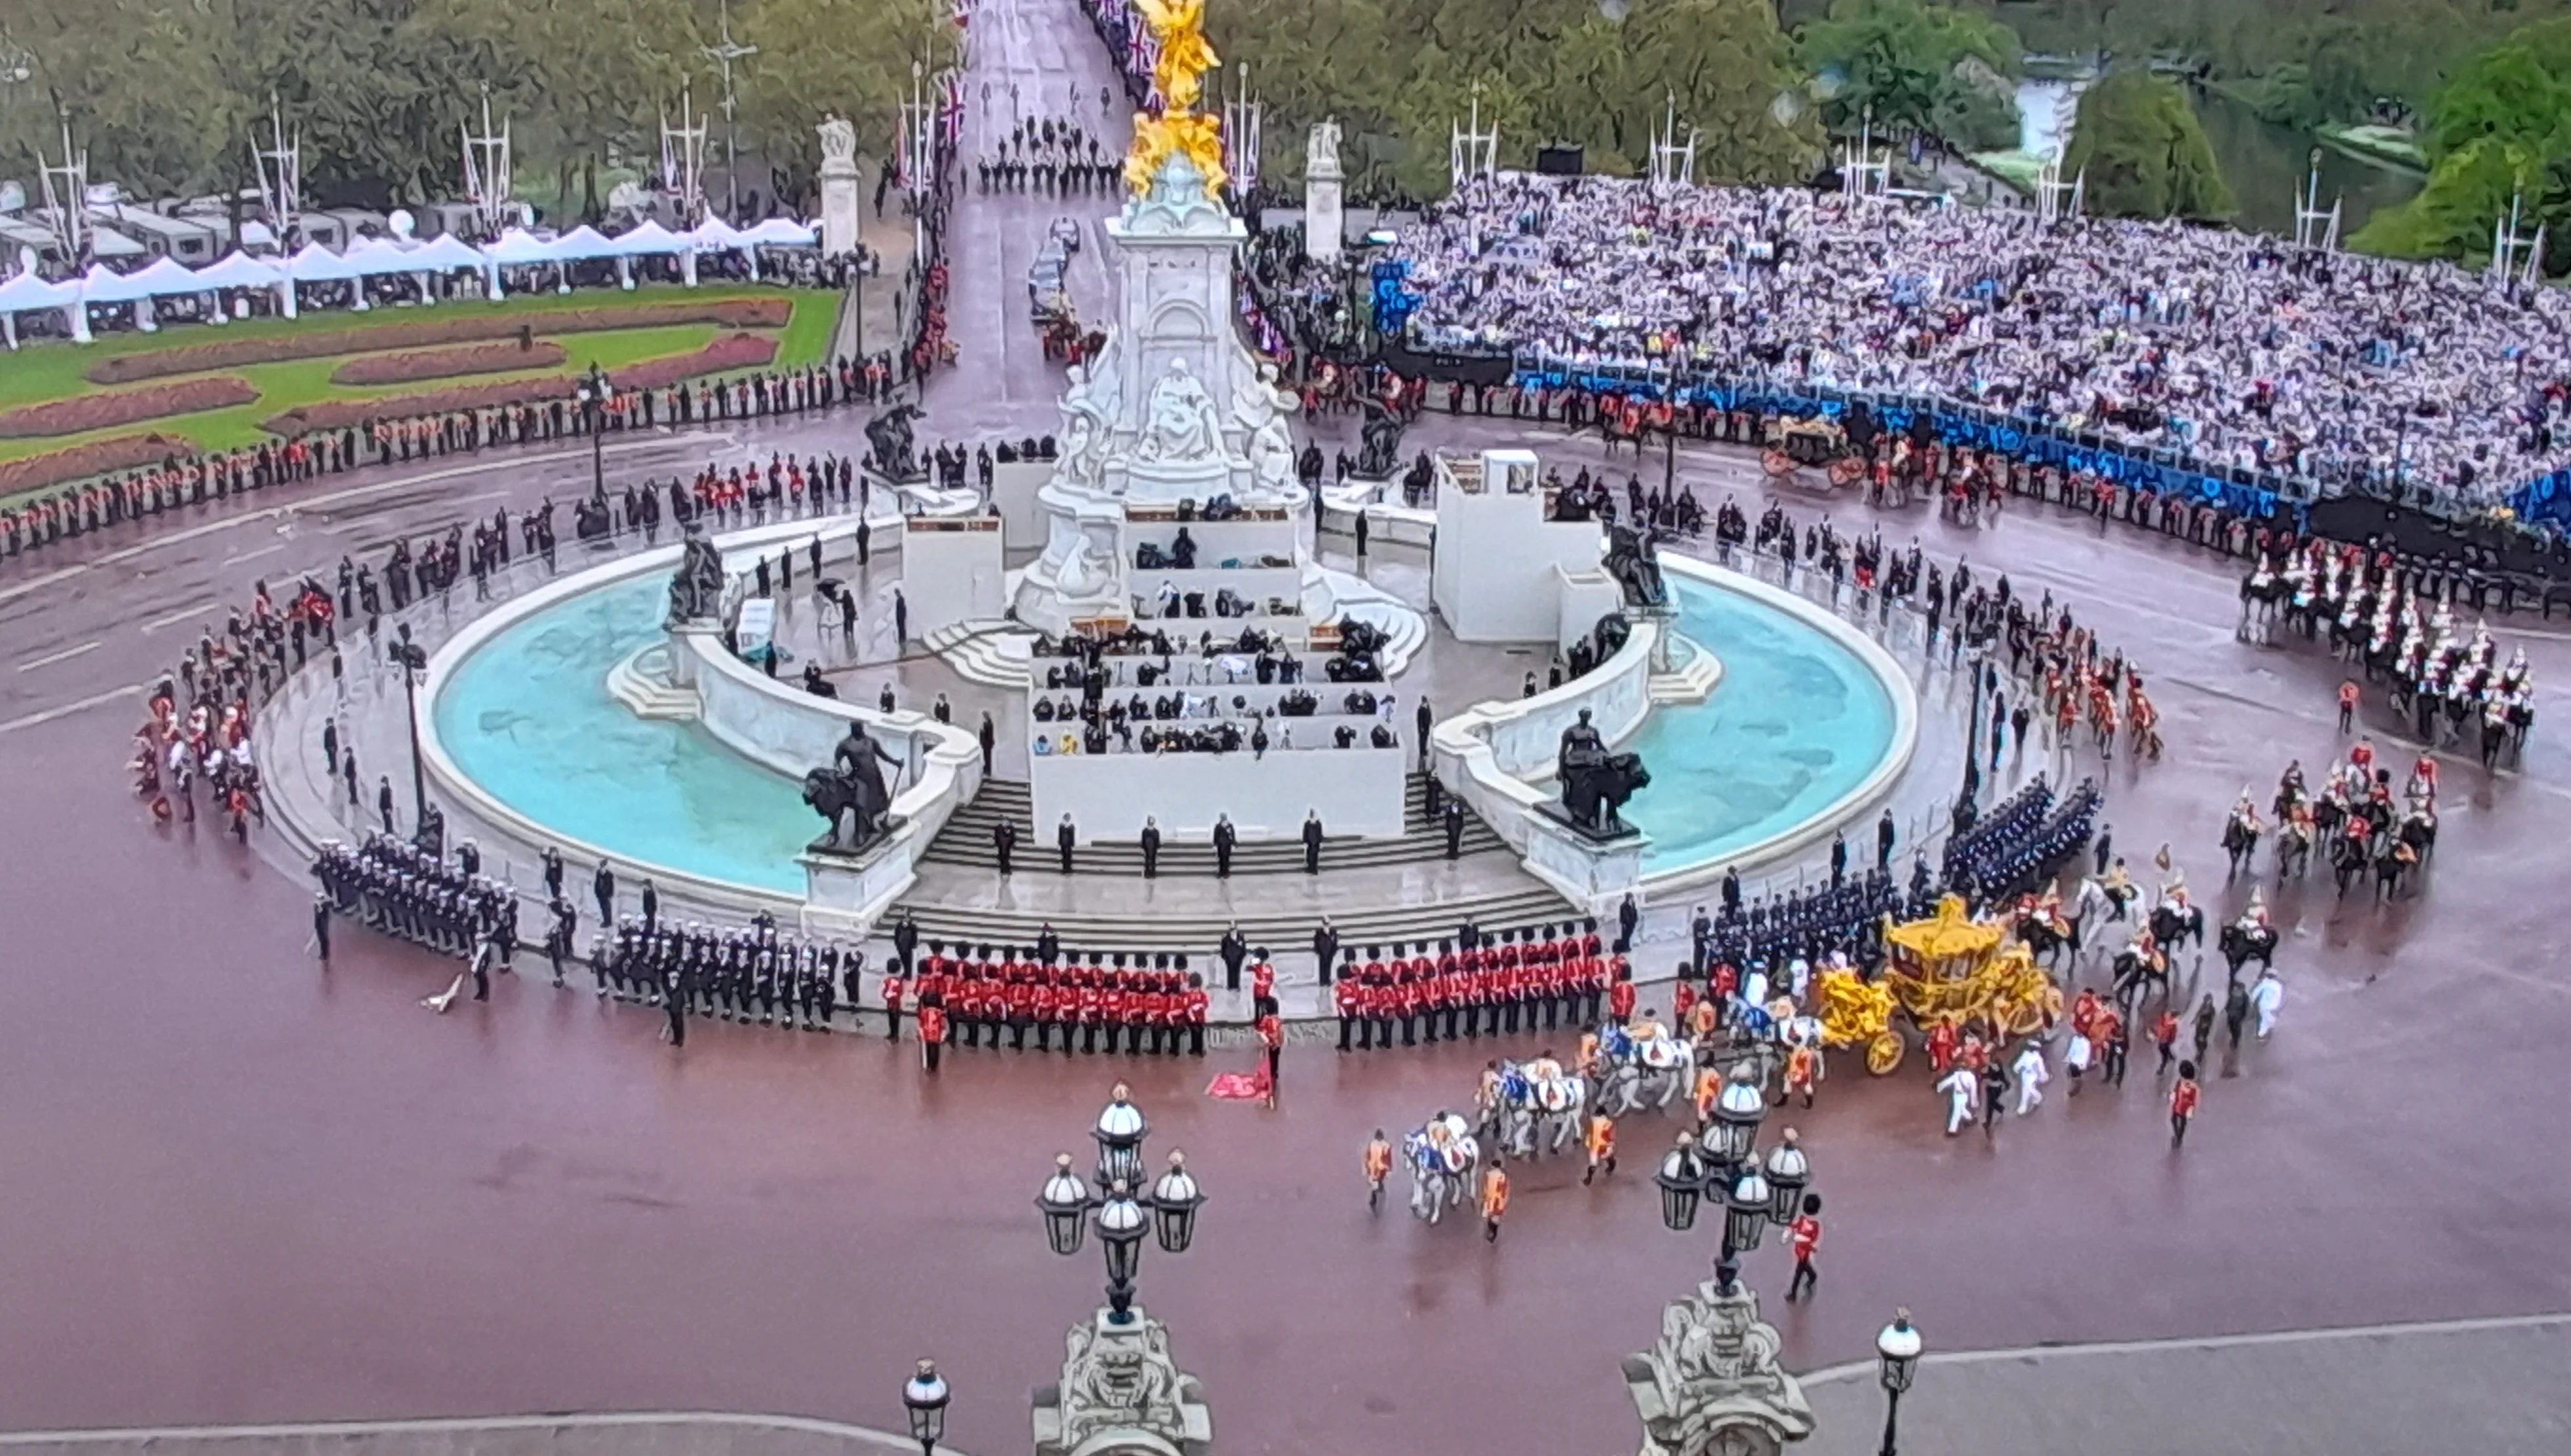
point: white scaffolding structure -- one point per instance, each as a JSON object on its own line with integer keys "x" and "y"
{"x": 280, "y": 167}
{"x": 1673, "y": 162}
{"x": 67, "y": 207}
{"x": 2313, "y": 227}
{"x": 1242, "y": 138}
{"x": 2057, "y": 200}
{"x": 682, "y": 160}
{"x": 723, "y": 53}
{"x": 2518, "y": 258}
{"x": 1862, "y": 171}
{"x": 486, "y": 172}
{"x": 1470, "y": 150}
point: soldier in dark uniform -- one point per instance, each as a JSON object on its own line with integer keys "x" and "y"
{"x": 1452, "y": 820}
{"x": 905, "y": 942}
{"x": 1312, "y": 842}
{"x": 1004, "y": 838}
{"x": 1234, "y": 948}
{"x": 1225, "y": 837}
{"x": 1151, "y": 847}
{"x": 1065, "y": 837}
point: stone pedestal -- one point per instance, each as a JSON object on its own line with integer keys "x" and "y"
{"x": 1121, "y": 1394}
{"x": 1590, "y": 870}
{"x": 852, "y": 888}
{"x": 1712, "y": 1385}
{"x": 838, "y": 177}
{"x": 1324, "y": 222}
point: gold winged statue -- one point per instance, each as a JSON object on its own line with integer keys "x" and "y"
{"x": 1179, "y": 75}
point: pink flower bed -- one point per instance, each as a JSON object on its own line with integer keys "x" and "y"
{"x": 86, "y": 412}
{"x": 413, "y": 366}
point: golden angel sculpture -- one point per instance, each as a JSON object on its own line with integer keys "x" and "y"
{"x": 1179, "y": 75}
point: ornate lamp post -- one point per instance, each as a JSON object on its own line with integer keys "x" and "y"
{"x": 1789, "y": 1174}
{"x": 412, "y": 659}
{"x": 1712, "y": 1382}
{"x": 924, "y": 1396}
{"x": 1733, "y": 1137}
{"x": 594, "y": 393}
{"x": 1896, "y": 1352}
{"x": 1099, "y": 1403}
{"x": 1687, "y": 1179}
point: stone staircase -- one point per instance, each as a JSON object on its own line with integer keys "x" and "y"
{"x": 991, "y": 651}
{"x": 1374, "y": 890}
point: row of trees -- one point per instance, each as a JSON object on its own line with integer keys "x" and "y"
{"x": 2500, "y": 131}
{"x": 165, "y": 95}
{"x": 1397, "y": 73}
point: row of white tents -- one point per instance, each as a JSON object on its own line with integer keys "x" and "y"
{"x": 382, "y": 257}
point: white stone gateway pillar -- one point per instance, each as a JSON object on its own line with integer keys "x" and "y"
{"x": 1122, "y": 1392}
{"x": 838, "y": 186}
{"x": 1325, "y": 222}
{"x": 1712, "y": 1385}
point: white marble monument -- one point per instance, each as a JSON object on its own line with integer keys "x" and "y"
{"x": 1174, "y": 408}
{"x": 1324, "y": 224}
{"x": 839, "y": 186}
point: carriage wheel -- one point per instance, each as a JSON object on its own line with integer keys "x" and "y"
{"x": 2025, "y": 1019}
{"x": 1885, "y": 1052}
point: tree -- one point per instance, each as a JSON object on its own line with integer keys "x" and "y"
{"x": 2499, "y": 131}
{"x": 2144, "y": 152}
{"x": 1916, "y": 68}
{"x": 1398, "y": 74}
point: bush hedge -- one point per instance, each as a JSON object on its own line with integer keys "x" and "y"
{"x": 731, "y": 352}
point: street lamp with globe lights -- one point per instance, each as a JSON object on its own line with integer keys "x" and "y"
{"x": 412, "y": 659}
{"x": 1896, "y": 1352}
{"x": 1166, "y": 1212}
{"x": 1733, "y": 1137}
{"x": 1687, "y": 1179}
{"x": 594, "y": 393}
{"x": 924, "y": 1396}
{"x": 1789, "y": 1174}
{"x": 1120, "y": 1130}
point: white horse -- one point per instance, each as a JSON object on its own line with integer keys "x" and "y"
{"x": 1655, "y": 1067}
{"x": 1442, "y": 1157}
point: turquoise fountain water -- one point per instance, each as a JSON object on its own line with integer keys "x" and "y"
{"x": 1798, "y": 722}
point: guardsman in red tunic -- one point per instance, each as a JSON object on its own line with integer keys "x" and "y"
{"x": 1620, "y": 999}
{"x": 1022, "y": 1001}
{"x": 1043, "y": 1005}
{"x": 1380, "y": 1010}
{"x": 892, "y": 989}
{"x": 1346, "y": 999}
{"x": 1193, "y": 1008}
{"x": 932, "y": 1032}
{"x": 1088, "y": 1004}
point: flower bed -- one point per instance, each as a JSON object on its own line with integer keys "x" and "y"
{"x": 413, "y": 366}
{"x": 334, "y": 414}
{"x": 457, "y": 327}
{"x": 85, "y": 412}
{"x": 731, "y": 352}
{"x": 98, "y": 457}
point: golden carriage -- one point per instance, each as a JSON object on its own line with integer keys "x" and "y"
{"x": 1949, "y": 969}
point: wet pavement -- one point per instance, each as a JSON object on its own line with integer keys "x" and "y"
{"x": 244, "y": 1188}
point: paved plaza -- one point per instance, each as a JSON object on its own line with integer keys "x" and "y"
{"x": 245, "y": 1189}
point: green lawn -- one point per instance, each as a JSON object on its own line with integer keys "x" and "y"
{"x": 52, "y": 371}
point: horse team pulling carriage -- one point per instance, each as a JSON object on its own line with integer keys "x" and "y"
{"x": 1806, "y": 442}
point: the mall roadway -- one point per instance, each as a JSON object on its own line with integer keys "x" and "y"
{"x": 242, "y": 1187}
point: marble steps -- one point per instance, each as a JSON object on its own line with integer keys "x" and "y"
{"x": 1287, "y": 935}
{"x": 992, "y": 652}
{"x": 966, "y": 840}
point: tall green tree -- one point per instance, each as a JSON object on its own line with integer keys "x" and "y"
{"x": 1916, "y": 68}
{"x": 2500, "y": 131}
{"x": 1398, "y": 74}
{"x": 2145, "y": 155}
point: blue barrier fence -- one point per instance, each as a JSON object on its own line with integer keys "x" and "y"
{"x": 2243, "y": 492}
